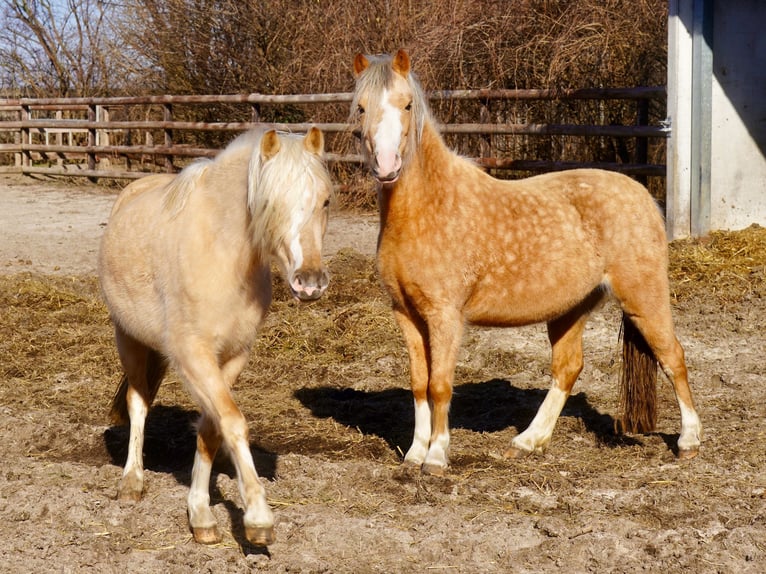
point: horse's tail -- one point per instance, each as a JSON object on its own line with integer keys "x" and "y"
{"x": 156, "y": 365}
{"x": 638, "y": 382}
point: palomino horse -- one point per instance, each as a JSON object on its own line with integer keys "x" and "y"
{"x": 185, "y": 271}
{"x": 457, "y": 246}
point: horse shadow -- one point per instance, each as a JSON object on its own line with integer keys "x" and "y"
{"x": 485, "y": 407}
{"x": 170, "y": 442}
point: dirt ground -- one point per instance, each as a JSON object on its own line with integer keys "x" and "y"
{"x": 327, "y": 398}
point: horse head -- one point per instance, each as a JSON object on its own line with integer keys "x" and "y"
{"x": 289, "y": 203}
{"x": 389, "y": 107}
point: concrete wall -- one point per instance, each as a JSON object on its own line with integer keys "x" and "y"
{"x": 717, "y": 110}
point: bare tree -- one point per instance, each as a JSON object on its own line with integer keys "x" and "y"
{"x": 60, "y": 48}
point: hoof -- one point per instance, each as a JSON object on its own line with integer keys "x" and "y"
{"x": 129, "y": 496}
{"x": 406, "y": 463}
{"x": 206, "y": 535}
{"x": 688, "y": 453}
{"x": 433, "y": 469}
{"x": 260, "y": 535}
{"x": 129, "y": 492}
{"x": 516, "y": 453}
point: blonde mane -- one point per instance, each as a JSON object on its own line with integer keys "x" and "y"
{"x": 178, "y": 190}
{"x": 277, "y": 189}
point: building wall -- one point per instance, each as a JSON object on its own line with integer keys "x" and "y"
{"x": 738, "y": 146}
{"x": 717, "y": 149}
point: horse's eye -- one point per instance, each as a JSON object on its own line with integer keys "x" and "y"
{"x": 326, "y": 204}
{"x": 408, "y": 107}
{"x": 360, "y": 109}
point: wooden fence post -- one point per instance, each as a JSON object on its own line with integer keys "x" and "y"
{"x": 167, "y": 116}
{"x": 91, "y": 138}
{"x": 102, "y": 136}
{"x": 59, "y": 140}
{"x": 17, "y": 157}
{"x": 26, "y": 137}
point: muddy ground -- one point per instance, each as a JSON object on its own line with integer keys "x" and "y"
{"x": 327, "y": 398}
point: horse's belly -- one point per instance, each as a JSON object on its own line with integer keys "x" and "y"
{"x": 516, "y": 301}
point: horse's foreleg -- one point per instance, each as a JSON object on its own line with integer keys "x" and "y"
{"x": 445, "y": 334}
{"x": 565, "y": 335}
{"x": 415, "y": 338}
{"x": 210, "y": 387}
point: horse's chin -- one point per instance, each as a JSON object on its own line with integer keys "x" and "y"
{"x": 388, "y": 180}
{"x": 304, "y": 297}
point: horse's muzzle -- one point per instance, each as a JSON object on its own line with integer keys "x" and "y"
{"x": 309, "y": 284}
{"x": 386, "y": 167}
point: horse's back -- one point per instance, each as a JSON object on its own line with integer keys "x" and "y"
{"x": 150, "y": 183}
{"x": 608, "y": 197}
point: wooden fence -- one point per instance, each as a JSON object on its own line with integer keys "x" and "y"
{"x": 81, "y": 137}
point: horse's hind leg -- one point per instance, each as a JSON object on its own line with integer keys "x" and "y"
{"x": 143, "y": 373}
{"x": 203, "y": 523}
{"x": 565, "y": 335}
{"x": 648, "y": 307}
{"x": 658, "y": 332}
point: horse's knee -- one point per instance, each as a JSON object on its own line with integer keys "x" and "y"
{"x": 233, "y": 429}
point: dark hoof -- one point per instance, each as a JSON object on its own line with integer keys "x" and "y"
{"x": 516, "y": 453}
{"x": 433, "y": 469}
{"x": 260, "y": 535}
{"x": 688, "y": 454}
{"x": 207, "y": 535}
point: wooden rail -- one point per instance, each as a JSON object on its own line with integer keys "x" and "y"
{"x": 77, "y": 137}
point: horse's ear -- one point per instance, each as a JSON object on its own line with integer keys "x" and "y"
{"x": 360, "y": 64}
{"x": 401, "y": 63}
{"x": 270, "y": 144}
{"x": 314, "y": 141}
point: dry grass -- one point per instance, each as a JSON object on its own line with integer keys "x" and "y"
{"x": 342, "y": 358}
{"x": 726, "y": 267}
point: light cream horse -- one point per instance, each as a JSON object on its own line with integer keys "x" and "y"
{"x": 185, "y": 270}
{"x": 457, "y": 246}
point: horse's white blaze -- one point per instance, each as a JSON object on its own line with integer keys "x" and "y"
{"x": 538, "y": 434}
{"x": 296, "y": 249}
{"x": 417, "y": 452}
{"x": 388, "y": 138}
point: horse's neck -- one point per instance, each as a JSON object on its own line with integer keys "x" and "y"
{"x": 424, "y": 176}
{"x": 228, "y": 181}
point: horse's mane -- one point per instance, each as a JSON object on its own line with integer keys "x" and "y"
{"x": 379, "y": 76}
{"x": 178, "y": 190}
{"x": 278, "y": 188}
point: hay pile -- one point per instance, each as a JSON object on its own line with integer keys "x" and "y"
{"x": 728, "y": 267}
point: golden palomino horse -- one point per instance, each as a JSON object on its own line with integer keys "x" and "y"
{"x": 458, "y": 246}
{"x": 185, "y": 269}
